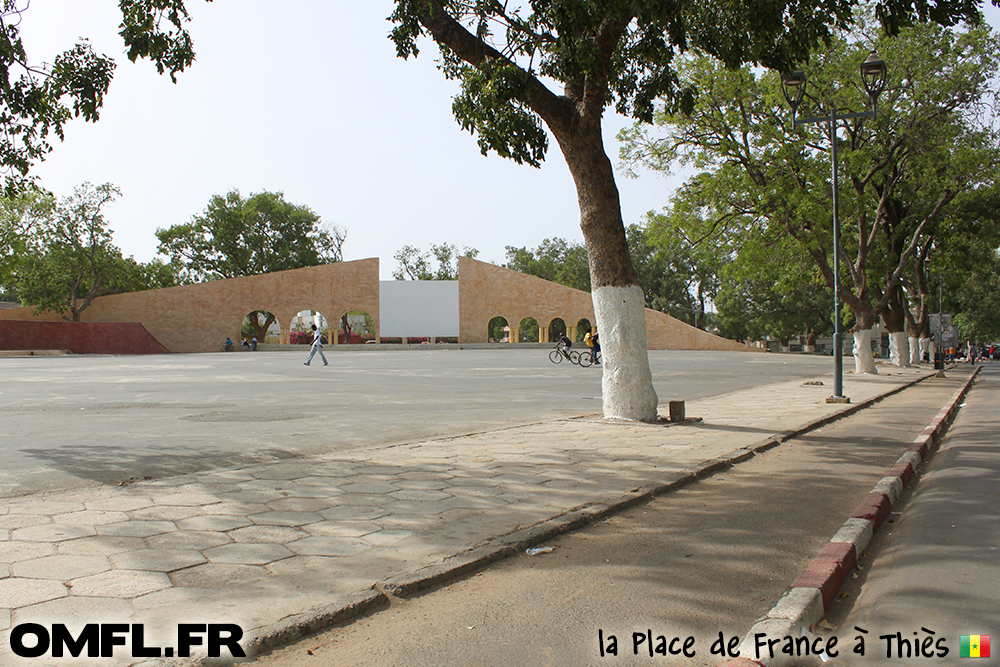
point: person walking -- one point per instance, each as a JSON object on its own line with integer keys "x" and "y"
{"x": 316, "y": 346}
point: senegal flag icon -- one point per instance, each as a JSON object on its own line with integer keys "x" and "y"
{"x": 975, "y": 646}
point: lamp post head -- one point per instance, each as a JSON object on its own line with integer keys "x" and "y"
{"x": 874, "y": 74}
{"x": 793, "y": 86}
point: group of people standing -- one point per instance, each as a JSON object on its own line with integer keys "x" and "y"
{"x": 248, "y": 344}
{"x": 981, "y": 352}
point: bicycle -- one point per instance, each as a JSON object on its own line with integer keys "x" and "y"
{"x": 588, "y": 357}
{"x": 559, "y": 353}
{"x": 228, "y": 347}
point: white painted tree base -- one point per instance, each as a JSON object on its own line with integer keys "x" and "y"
{"x": 925, "y": 349}
{"x": 914, "y": 351}
{"x": 628, "y": 383}
{"x": 864, "y": 362}
{"x": 899, "y": 349}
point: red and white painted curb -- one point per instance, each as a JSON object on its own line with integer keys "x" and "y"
{"x": 814, "y": 591}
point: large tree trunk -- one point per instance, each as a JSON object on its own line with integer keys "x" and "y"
{"x": 260, "y": 330}
{"x": 863, "y": 334}
{"x": 899, "y": 349}
{"x": 574, "y": 118}
{"x": 864, "y": 362}
{"x": 913, "y": 329}
{"x": 894, "y": 318}
{"x": 619, "y": 304}
{"x": 810, "y": 345}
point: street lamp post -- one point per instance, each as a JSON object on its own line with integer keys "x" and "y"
{"x": 793, "y": 86}
{"x": 940, "y": 336}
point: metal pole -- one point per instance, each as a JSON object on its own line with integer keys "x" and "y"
{"x": 940, "y": 316}
{"x": 838, "y": 337}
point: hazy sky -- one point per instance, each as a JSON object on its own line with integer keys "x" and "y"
{"x": 307, "y": 98}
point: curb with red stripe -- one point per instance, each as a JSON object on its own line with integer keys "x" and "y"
{"x": 814, "y": 591}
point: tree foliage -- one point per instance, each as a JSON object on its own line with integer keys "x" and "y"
{"x": 70, "y": 259}
{"x": 906, "y": 173}
{"x": 21, "y": 215}
{"x": 609, "y": 52}
{"x": 674, "y": 278}
{"x": 621, "y": 53}
{"x": 979, "y": 297}
{"x": 37, "y": 99}
{"x": 556, "y": 260}
{"x": 262, "y": 233}
{"x": 416, "y": 264}
{"x": 256, "y": 325}
{"x": 770, "y": 288}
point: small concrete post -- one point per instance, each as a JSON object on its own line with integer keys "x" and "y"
{"x": 675, "y": 411}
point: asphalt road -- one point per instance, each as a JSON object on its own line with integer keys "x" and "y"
{"x": 79, "y": 420}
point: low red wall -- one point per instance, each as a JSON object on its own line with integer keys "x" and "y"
{"x": 79, "y": 337}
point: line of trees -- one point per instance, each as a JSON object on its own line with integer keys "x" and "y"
{"x": 919, "y": 189}
{"x": 59, "y": 255}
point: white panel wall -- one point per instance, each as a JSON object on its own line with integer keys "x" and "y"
{"x": 418, "y": 308}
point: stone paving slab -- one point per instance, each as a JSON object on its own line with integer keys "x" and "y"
{"x": 276, "y": 548}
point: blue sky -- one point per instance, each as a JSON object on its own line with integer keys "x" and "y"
{"x": 309, "y": 99}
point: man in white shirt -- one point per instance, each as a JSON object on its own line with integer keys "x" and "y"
{"x": 317, "y": 345}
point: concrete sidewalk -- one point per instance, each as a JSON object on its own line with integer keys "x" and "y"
{"x": 284, "y": 548}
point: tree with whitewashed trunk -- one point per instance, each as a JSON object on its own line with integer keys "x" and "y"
{"x": 902, "y": 174}
{"x": 509, "y": 56}
{"x": 912, "y": 171}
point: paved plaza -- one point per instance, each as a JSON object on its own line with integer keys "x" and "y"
{"x": 75, "y": 421}
{"x": 290, "y": 544}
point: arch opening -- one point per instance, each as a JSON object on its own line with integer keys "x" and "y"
{"x": 498, "y": 330}
{"x": 262, "y": 325}
{"x": 527, "y": 330}
{"x": 557, "y": 327}
{"x": 356, "y": 327}
{"x": 300, "y": 329}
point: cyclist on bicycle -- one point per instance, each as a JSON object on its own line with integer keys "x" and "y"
{"x": 228, "y": 347}
{"x": 564, "y": 345}
{"x": 594, "y": 344}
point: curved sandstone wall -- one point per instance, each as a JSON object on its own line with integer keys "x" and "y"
{"x": 198, "y": 318}
{"x": 487, "y": 291}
